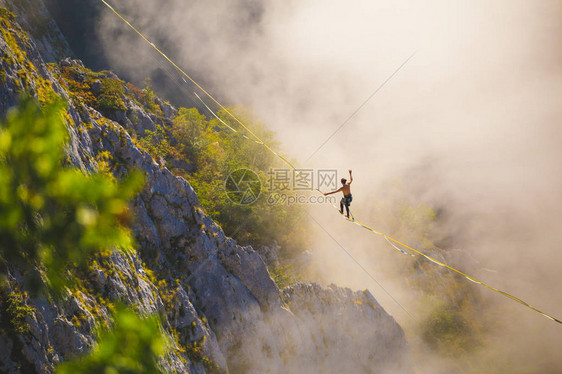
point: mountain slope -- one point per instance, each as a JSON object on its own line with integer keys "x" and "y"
{"x": 216, "y": 298}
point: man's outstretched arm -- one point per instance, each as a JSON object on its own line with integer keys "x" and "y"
{"x": 350, "y": 177}
{"x": 329, "y": 193}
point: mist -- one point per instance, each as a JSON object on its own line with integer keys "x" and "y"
{"x": 470, "y": 126}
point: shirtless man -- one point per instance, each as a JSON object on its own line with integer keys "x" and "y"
{"x": 346, "y": 190}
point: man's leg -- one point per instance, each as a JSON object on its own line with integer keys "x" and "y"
{"x": 341, "y": 206}
{"x": 347, "y": 209}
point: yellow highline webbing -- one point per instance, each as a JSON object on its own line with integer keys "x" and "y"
{"x": 388, "y": 238}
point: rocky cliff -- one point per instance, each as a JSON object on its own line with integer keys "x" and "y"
{"x": 215, "y": 298}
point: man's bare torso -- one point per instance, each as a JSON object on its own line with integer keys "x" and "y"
{"x": 346, "y": 189}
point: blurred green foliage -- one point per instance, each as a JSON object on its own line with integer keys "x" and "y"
{"x": 52, "y": 215}
{"x": 55, "y": 217}
{"x": 133, "y": 345}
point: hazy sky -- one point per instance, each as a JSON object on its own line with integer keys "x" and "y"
{"x": 471, "y": 124}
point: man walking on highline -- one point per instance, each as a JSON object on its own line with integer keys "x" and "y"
{"x": 346, "y": 190}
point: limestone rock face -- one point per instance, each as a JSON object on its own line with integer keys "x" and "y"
{"x": 336, "y": 314}
{"x": 207, "y": 289}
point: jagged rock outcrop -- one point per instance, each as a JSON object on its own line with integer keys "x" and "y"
{"x": 207, "y": 289}
{"x": 335, "y": 314}
{"x": 34, "y": 18}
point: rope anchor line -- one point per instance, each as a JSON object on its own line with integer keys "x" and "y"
{"x": 395, "y": 243}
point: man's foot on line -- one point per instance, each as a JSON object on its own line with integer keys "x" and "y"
{"x": 341, "y": 212}
{"x": 346, "y": 216}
